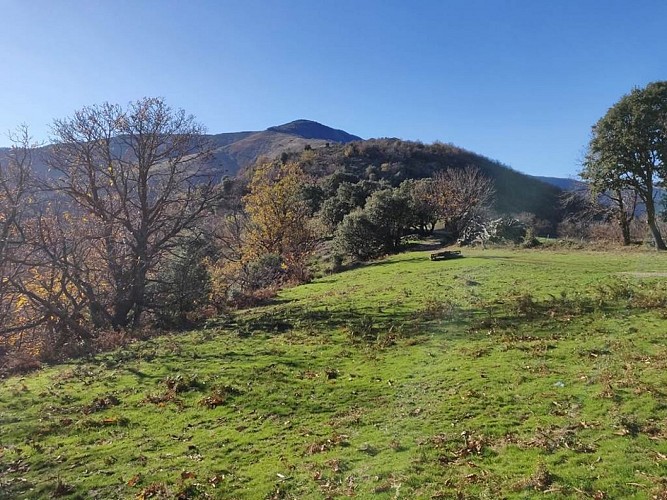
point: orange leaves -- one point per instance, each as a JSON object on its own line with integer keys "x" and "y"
{"x": 279, "y": 219}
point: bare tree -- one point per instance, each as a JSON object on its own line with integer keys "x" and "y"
{"x": 16, "y": 188}
{"x": 584, "y": 207}
{"x": 460, "y": 195}
{"x": 135, "y": 183}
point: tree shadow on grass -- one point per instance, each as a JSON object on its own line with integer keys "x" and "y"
{"x": 365, "y": 323}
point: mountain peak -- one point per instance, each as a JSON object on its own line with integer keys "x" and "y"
{"x": 309, "y": 129}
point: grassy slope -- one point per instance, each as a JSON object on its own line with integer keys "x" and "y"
{"x": 496, "y": 375}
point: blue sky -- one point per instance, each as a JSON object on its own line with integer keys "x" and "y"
{"x": 517, "y": 81}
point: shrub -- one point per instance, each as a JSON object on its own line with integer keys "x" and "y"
{"x": 17, "y": 363}
{"x": 336, "y": 263}
{"x": 356, "y": 237}
{"x": 378, "y": 228}
{"x": 246, "y": 283}
{"x": 507, "y": 229}
{"x": 182, "y": 285}
{"x": 529, "y": 240}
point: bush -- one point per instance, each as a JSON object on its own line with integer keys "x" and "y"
{"x": 356, "y": 236}
{"x": 530, "y": 240}
{"x": 507, "y": 229}
{"x": 336, "y": 263}
{"x": 267, "y": 271}
{"x": 17, "y": 363}
{"x": 246, "y": 283}
{"x": 378, "y": 228}
{"x": 182, "y": 286}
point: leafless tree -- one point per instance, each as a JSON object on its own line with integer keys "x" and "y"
{"x": 135, "y": 183}
{"x": 16, "y": 185}
{"x": 460, "y": 195}
{"x": 583, "y": 208}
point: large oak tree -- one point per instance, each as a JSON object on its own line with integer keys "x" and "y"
{"x": 628, "y": 149}
{"x": 134, "y": 179}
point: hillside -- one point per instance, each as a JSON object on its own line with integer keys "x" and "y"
{"x": 563, "y": 183}
{"x": 394, "y": 160}
{"x": 236, "y": 150}
{"x": 504, "y": 374}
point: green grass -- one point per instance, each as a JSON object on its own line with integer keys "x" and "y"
{"x": 505, "y": 374}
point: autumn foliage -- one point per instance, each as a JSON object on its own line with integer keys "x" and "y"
{"x": 130, "y": 231}
{"x": 81, "y": 248}
{"x": 274, "y": 240}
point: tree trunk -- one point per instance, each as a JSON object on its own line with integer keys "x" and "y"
{"x": 655, "y": 232}
{"x": 623, "y": 219}
{"x": 653, "y": 226}
{"x": 625, "y": 230}
{"x": 121, "y": 313}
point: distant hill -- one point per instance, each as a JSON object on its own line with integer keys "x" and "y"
{"x": 394, "y": 160}
{"x": 312, "y": 130}
{"x": 232, "y": 152}
{"x": 324, "y": 150}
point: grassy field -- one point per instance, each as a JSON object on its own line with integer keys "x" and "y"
{"x": 506, "y": 374}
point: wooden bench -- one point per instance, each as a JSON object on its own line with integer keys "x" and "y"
{"x": 446, "y": 255}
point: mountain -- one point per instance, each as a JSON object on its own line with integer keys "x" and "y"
{"x": 236, "y": 151}
{"x": 392, "y": 160}
{"x": 312, "y": 130}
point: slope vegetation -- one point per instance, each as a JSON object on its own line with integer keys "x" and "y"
{"x": 394, "y": 160}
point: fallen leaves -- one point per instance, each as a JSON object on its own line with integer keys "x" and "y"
{"x": 100, "y": 404}
{"x": 134, "y": 480}
{"x": 327, "y": 444}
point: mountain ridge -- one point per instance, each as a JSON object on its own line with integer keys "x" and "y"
{"x": 309, "y": 129}
{"x": 233, "y": 152}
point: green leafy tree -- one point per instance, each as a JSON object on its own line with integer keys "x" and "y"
{"x": 348, "y": 197}
{"x": 376, "y": 229}
{"x": 357, "y": 237}
{"x": 422, "y": 204}
{"x": 181, "y": 286}
{"x": 628, "y": 148}
{"x": 390, "y": 212}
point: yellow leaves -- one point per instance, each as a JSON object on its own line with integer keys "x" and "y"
{"x": 278, "y": 216}
{"x": 21, "y": 302}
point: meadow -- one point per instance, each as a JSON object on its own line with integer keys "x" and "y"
{"x": 504, "y": 374}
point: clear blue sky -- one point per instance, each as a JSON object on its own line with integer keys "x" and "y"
{"x": 520, "y": 81}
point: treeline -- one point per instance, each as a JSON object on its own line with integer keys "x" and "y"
{"x": 128, "y": 230}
